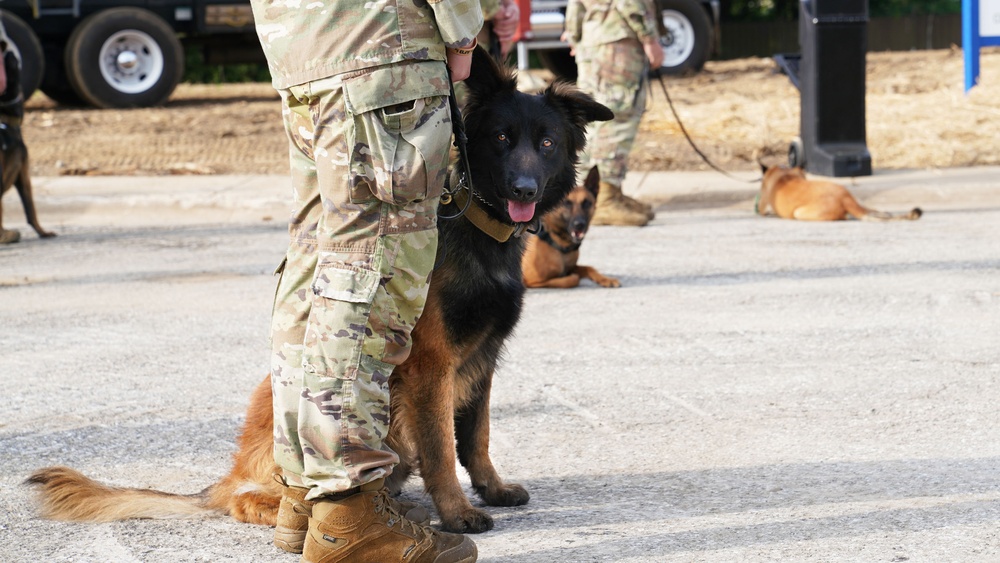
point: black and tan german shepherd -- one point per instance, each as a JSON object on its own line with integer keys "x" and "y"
{"x": 523, "y": 152}
{"x": 14, "y": 168}
{"x": 551, "y": 257}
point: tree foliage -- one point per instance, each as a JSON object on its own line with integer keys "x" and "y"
{"x": 788, "y": 10}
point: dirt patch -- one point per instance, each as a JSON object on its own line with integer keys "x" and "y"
{"x": 917, "y": 116}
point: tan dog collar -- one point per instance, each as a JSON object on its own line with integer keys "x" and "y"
{"x": 483, "y": 221}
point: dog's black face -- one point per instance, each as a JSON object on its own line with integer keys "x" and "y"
{"x": 535, "y": 139}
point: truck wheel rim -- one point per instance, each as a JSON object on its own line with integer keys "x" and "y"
{"x": 131, "y": 61}
{"x": 678, "y": 41}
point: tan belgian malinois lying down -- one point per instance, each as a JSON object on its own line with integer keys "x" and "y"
{"x": 550, "y": 257}
{"x": 791, "y": 195}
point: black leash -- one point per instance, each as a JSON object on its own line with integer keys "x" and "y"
{"x": 690, "y": 141}
{"x": 461, "y": 141}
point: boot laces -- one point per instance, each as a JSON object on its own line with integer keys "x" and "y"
{"x": 383, "y": 505}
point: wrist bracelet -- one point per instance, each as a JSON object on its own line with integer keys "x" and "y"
{"x": 465, "y": 50}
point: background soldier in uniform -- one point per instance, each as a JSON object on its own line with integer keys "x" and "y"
{"x": 364, "y": 90}
{"x": 612, "y": 40}
{"x": 501, "y": 18}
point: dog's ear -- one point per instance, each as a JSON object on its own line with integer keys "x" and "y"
{"x": 578, "y": 107}
{"x": 487, "y": 77}
{"x": 581, "y": 108}
{"x": 593, "y": 181}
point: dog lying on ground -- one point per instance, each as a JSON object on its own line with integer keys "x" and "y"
{"x": 524, "y": 150}
{"x": 14, "y": 168}
{"x": 792, "y": 196}
{"x": 550, "y": 258}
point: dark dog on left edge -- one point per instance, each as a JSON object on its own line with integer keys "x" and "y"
{"x": 523, "y": 150}
{"x": 550, "y": 259}
{"x": 14, "y": 169}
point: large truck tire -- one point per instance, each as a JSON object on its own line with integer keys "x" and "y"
{"x": 124, "y": 57}
{"x": 686, "y": 36}
{"x": 26, "y": 44}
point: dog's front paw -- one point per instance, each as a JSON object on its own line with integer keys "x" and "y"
{"x": 469, "y": 521}
{"x": 609, "y": 282}
{"x": 507, "y": 495}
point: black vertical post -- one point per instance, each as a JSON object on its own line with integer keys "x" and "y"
{"x": 833, "y": 37}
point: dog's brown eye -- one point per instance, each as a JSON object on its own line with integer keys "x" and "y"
{"x": 546, "y": 142}
{"x": 501, "y": 137}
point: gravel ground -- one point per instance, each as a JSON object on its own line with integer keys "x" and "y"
{"x": 917, "y": 116}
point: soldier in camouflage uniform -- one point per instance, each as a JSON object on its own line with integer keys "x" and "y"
{"x": 612, "y": 41}
{"x": 364, "y": 89}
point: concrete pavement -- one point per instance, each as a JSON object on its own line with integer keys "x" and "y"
{"x": 195, "y": 199}
{"x": 758, "y": 389}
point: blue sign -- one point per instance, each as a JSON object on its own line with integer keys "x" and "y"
{"x": 980, "y": 28}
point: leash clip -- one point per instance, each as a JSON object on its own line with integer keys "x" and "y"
{"x": 531, "y": 227}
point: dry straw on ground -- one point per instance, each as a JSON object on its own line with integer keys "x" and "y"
{"x": 918, "y": 116}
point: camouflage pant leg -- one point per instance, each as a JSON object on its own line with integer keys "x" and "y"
{"x": 615, "y": 75}
{"x": 355, "y": 278}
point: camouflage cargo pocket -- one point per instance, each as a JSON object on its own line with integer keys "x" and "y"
{"x": 620, "y": 67}
{"x": 337, "y": 325}
{"x": 399, "y": 142}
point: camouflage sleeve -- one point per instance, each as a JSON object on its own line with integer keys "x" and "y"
{"x": 574, "y": 20}
{"x": 641, "y": 17}
{"x": 490, "y": 8}
{"x": 459, "y": 21}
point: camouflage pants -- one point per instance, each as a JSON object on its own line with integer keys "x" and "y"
{"x": 368, "y": 165}
{"x": 615, "y": 75}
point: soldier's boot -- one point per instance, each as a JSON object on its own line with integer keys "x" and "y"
{"x": 365, "y": 527}
{"x": 8, "y": 236}
{"x": 631, "y": 202}
{"x": 614, "y": 209}
{"x": 294, "y": 512}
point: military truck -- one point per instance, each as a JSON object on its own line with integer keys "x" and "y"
{"x": 123, "y": 53}
{"x": 689, "y": 35}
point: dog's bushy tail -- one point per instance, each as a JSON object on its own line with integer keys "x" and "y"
{"x": 67, "y": 494}
{"x": 248, "y": 493}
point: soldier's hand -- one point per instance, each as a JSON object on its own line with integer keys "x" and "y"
{"x": 505, "y": 25}
{"x": 566, "y": 38}
{"x": 654, "y": 52}
{"x": 505, "y": 21}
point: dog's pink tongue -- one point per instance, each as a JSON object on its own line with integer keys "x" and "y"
{"x": 520, "y": 212}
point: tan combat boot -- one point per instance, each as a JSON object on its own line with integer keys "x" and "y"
{"x": 631, "y": 202}
{"x": 365, "y": 527}
{"x": 293, "y": 519}
{"x": 294, "y": 512}
{"x": 614, "y": 209}
{"x": 8, "y": 236}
